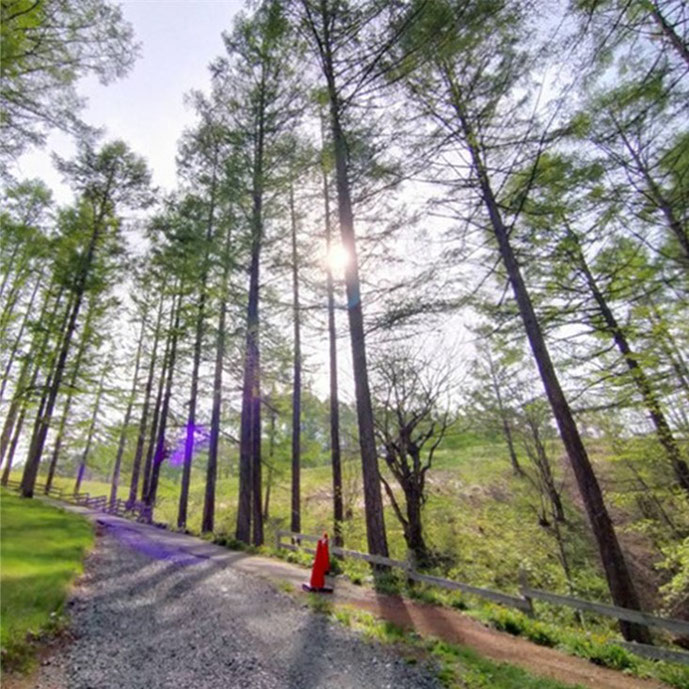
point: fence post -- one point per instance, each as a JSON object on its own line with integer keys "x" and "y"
{"x": 523, "y": 584}
{"x": 410, "y": 567}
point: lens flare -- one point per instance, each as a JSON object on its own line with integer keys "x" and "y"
{"x": 338, "y": 258}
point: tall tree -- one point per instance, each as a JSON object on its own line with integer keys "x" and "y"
{"x": 91, "y": 429}
{"x": 329, "y": 27}
{"x": 105, "y": 178}
{"x": 464, "y": 88}
{"x": 335, "y": 453}
{"x": 115, "y": 480}
{"x": 143, "y": 421}
{"x": 295, "y": 523}
{"x": 257, "y": 73}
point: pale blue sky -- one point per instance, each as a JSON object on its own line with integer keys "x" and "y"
{"x": 146, "y": 109}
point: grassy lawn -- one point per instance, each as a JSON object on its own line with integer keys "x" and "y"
{"x": 42, "y": 549}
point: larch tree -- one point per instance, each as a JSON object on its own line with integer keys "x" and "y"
{"x": 106, "y": 179}
{"x": 258, "y": 83}
{"x": 467, "y": 90}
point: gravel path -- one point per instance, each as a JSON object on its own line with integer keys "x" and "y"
{"x": 145, "y": 615}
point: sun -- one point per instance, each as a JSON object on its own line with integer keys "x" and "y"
{"x": 338, "y": 258}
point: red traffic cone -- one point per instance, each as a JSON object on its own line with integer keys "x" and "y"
{"x": 321, "y": 565}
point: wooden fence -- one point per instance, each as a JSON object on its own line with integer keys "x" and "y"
{"x": 140, "y": 510}
{"x": 524, "y": 602}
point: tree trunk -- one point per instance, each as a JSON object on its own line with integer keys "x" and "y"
{"x": 136, "y": 466}
{"x": 159, "y": 455}
{"x": 504, "y": 419}
{"x": 212, "y": 468}
{"x": 13, "y": 446}
{"x": 643, "y": 384}
{"x": 11, "y": 263}
{"x": 91, "y": 431}
{"x": 669, "y": 32}
{"x": 191, "y": 418}
{"x": 39, "y": 343}
{"x": 271, "y": 455}
{"x": 656, "y": 193}
{"x": 295, "y": 524}
{"x": 38, "y": 441}
{"x": 413, "y": 534}
{"x": 620, "y": 582}
{"x": 18, "y": 338}
{"x": 31, "y": 467}
{"x": 249, "y": 511}
{"x": 375, "y": 523}
{"x": 114, "y": 484}
{"x": 338, "y": 509}
{"x": 52, "y": 467}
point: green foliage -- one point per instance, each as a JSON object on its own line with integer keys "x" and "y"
{"x": 46, "y": 48}
{"x": 676, "y": 561}
{"x": 42, "y": 551}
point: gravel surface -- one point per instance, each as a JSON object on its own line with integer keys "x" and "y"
{"x": 147, "y": 615}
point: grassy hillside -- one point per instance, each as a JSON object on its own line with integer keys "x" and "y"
{"x": 479, "y": 519}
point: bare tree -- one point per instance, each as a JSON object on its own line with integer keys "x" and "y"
{"x": 410, "y": 425}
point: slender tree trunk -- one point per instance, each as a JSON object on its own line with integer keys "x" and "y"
{"x": 619, "y": 579}
{"x": 38, "y": 441}
{"x": 125, "y": 424}
{"x": 295, "y": 524}
{"x": 266, "y": 501}
{"x": 375, "y": 523}
{"x": 91, "y": 431}
{"x": 143, "y": 422}
{"x": 12, "y": 301}
{"x": 338, "y": 509}
{"x": 191, "y": 418}
{"x": 13, "y": 446}
{"x": 18, "y": 339}
{"x": 669, "y": 346}
{"x": 11, "y": 265}
{"x": 271, "y": 455}
{"x": 643, "y": 384}
{"x": 208, "y": 520}
{"x": 506, "y": 428}
{"x": 669, "y": 32}
{"x": 31, "y": 470}
{"x": 32, "y": 362}
{"x": 71, "y": 389}
{"x": 15, "y": 406}
{"x": 160, "y": 452}
{"x": 249, "y": 512}
{"x": 413, "y": 533}
{"x": 656, "y": 193}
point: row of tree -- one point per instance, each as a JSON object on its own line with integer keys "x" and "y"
{"x": 553, "y": 161}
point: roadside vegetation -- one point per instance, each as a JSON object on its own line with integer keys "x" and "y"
{"x": 482, "y": 527}
{"x": 42, "y": 551}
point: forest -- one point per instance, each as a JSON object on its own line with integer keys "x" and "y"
{"x": 423, "y": 284}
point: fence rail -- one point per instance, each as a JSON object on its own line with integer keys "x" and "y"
{"x": 676, "y": 626}
{"x": 523, "y": 602}
{"x": 120, "y": 507}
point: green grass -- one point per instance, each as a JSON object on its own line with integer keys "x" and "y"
{"x": 42, "y": 549}
{"x": 478, "y": 516}
{"x": 456, "y": 667}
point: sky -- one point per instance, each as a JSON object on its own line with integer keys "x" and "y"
{"x": 179, "y": 38}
